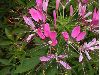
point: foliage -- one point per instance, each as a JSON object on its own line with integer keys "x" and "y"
{"x": 17, "y": 57}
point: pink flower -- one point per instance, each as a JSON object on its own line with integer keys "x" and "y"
{"x": 95, "y": 18}
{"x": 91, "y": 46}
{"x": 47, "y": 33}
{"x": 82, "y": 9}
{"x": 45, "y": 5}
{"x": 36, "y": 15}
{"x": 57, "y": 4}
{"x": 29, "y": 22}
{"x": 65, "y": 35}
{"x": 71, "y": 10}
{"x": 77, "y": 34}
{"x": 55, "y": 18}
{"x": 52, "y": 56}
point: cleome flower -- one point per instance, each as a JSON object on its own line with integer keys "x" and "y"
{"x": 58, "y": 60}
{"x": 87, "y": 47}
{"x": 76, "y": 34}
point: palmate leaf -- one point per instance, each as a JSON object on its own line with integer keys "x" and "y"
{"x": 26, "y": 65}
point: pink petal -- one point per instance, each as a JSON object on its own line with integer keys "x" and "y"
{"x": 87, "y": 54}
{"x": 51, "y": 56}
{"x": 44, "y": 18}
{"x": 46, "y": 30}
{"x": 64, "y": 64}
{"x": 39, "y": 32}
{"x": 29, "y": 37}
{"x": 81, "y": 36}
{"x": 34, "y": 14}
{"x": 53, "y": 35}
{"x": 40, "y": 15}
{"x": 57, "y": 4}
{"x": 65, "y": 35}
{"x": 45, "y": 5}
{"x": 55, "y": 18}
{"x": 88, "y": 14}
{"x": 29, "y": 22}
{"x": 71, "y": 10}
{"x": 93, "y": 42}
{"x": 80, "y": 57}
{"x": 39, "y": 3}
{"x": 62, "y": 56}
{"x": 75, "y": 31}
{"x": 44, "y": 59}
{"x": 84, "y": 1}
{"x": 95, "y": 19}
{"x": 82, "y": 9}
{"x": 54, "y": 42}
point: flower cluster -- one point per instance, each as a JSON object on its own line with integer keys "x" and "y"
{"x": 38, "y": 15}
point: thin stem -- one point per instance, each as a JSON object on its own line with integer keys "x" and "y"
{"x": 63, "y": 11}
{"x": 74, "y": 48}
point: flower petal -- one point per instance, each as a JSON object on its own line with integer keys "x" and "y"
{"x": 46, "y": 30}
{"x": 54, "y": 42}
{"x": 65, "y": 65}
{"x": 87, "y": 54}
{"x": 75, "y": 31}
{"x": 71, "y": 10}
{"x": 65, "y": 35}
{"x": 39, "y": 32}
{"x": 80, "y": 57}
{"x": 53, "y": 35}
{"x": 57, "y": 4}
{"x": 44, "y": 59}
{"x": 81, "y": 36}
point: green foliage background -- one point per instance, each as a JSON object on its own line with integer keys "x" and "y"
{"x": 20, "y": 58}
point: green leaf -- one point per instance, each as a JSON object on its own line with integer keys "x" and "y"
{"x": 5, "y": 42}
{"x": 5, "y": 61}
{"x": 9, "y": 34}
{"x": 4, "y": 71}
{"x": 26, "y": 65}
{"x": 52, "y": 71}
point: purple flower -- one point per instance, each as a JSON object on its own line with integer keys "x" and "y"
{"x": 82, "y": 9}
{"x": 91, "y": 46}
{"x": 52, "y": 56}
